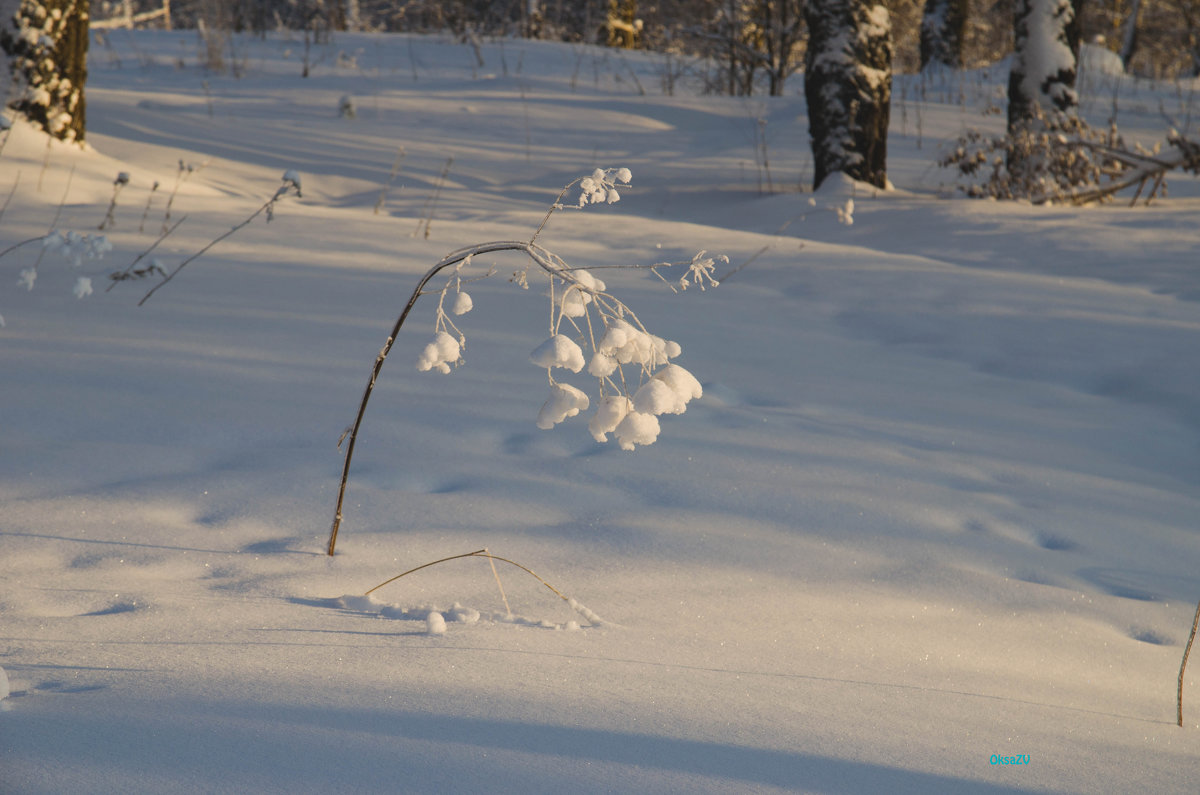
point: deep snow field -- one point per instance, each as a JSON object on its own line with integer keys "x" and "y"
{"x": 938, "y": 503}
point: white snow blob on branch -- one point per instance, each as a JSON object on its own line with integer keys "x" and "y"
{"x": 462, "y": 304}
{"x": 602, "y": 185}
{"x": 440, "y": 354}
{"x": 564, "y": 401}
{"x": 558, "y": 351}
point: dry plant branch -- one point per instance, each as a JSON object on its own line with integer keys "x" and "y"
{"x": 431, "y": 202}
{"x": 110, "y": 219}
{"x": 383, "y": 193}
{"x": 574, "y": 294}
{"x": 11, "y": 193}
{"x": 575, "y": 605}
{"x": 1183, "y": 665}
{"x": 133, "y": 272}
{"x": 291, "y": 183}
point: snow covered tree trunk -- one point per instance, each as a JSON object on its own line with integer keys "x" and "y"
{"x": 943, "y": 33}
{"x": 45, "y": 45}
{"x": 848, "y": 85}
{"x": 1045, "y": 52}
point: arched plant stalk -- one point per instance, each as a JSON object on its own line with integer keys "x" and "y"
{"x": 548, "y": 261}
{"x": 1183, "y": 666}
{"x": 574, "y": 294}
{"x": 351, "y": 436}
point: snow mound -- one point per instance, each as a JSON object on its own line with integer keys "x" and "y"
{"x": 1096, "y": 59}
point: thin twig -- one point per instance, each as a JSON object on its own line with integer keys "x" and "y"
{"x": 1183, "y": 665}
{"x": 431, "y": 202}
{"x": 57, "y": 215}
{"x": 576, "y": 606}
{"x": 16, "y": 246}
{"x": 122, "y": 275}
{"x": 391, "y": 178}
{"x": 422, "y": 566}
{"x": 146, "y": 212}
{"x": 16, "y": 182}
{"x": 266, "y": 208}
{"x": 492, "y": 562}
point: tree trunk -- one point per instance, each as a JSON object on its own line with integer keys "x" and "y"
{"x": 1129, "y": 41}
{"x": 45, "y": 43}
{"x": 943, "y": 33}
{"x": 1045, "y": 53}
{"x": 848, "y": 85}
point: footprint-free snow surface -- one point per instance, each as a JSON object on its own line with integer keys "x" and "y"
{"x": 931, "y": 527}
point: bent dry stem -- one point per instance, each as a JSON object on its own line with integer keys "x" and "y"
{"x": 591, "y": 617}
{"x": 589, "y": 294}
{"x": 1183, "y": 665}
{"x": 543, "y": 258}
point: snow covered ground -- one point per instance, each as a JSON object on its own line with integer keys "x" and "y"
{"x": 937, "y": 506}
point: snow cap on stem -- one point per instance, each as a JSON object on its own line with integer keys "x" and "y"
{"x": 558, "y": 351}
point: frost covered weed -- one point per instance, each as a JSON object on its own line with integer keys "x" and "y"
{"x": 109, "y": 217}
{"x": 635, "y": 381}
{"x": 72, "y": 247}
{"x": 182, "y": 175}
{"x": 149, "y": 201}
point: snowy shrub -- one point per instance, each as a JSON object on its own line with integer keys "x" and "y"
{"x": 590, "y": 329}
{"x": 1060, "y": 158}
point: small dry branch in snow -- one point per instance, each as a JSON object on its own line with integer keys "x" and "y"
{"x": 574, "y": 604}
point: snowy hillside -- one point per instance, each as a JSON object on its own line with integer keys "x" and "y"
{"x": 936, "y": 508}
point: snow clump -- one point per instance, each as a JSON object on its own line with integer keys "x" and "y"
{"x": 637, "y": 428}
{"x": 435, "y": 623}
{"x": 601, "y": 186}
{"x": 462, "y": 304}
{"x": 440, "y": 354}
{"x": 564, "y": 401}
{"x": 608, "y": 416}
{"x": 577, "y": 296}
{"x": 558, "y": 351}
